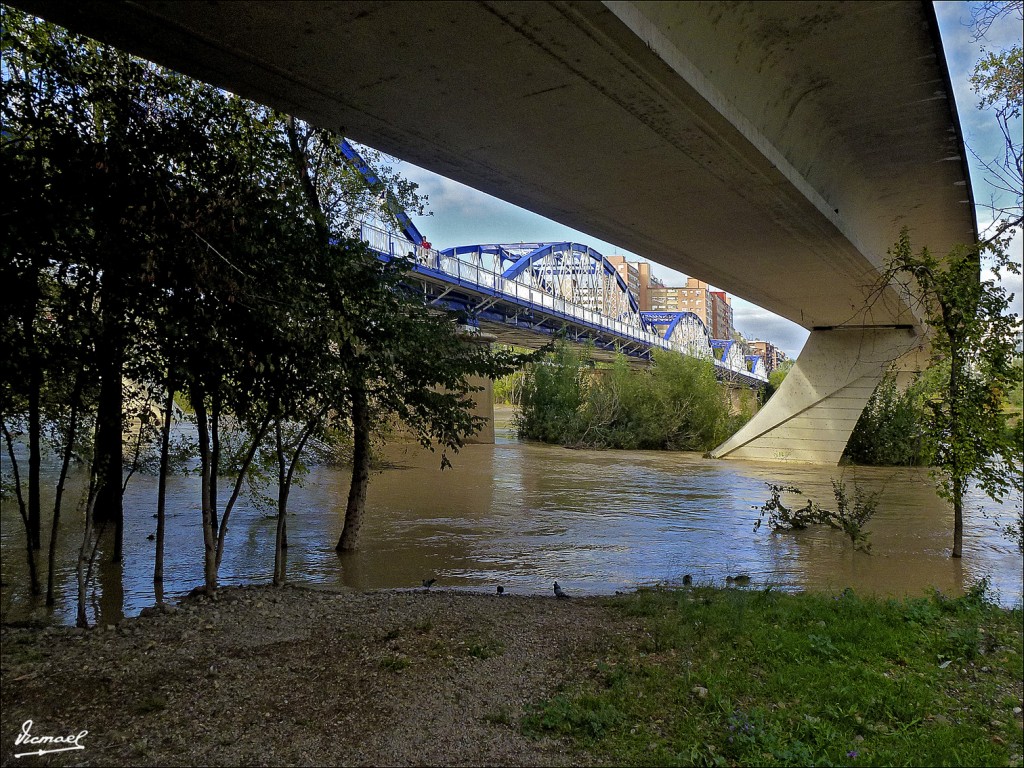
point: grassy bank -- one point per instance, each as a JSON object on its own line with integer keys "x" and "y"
{"x": 732, "y": 677}
{"x": 264, "y": 676}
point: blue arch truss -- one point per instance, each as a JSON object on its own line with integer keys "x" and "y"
{"x": 567, "y": 271}
{"x": 542, "y": 297}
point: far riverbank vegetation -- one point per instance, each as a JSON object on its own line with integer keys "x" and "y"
{"x": 674, "y": 404}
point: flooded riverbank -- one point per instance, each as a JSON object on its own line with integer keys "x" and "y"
{"x": 523, "y": 515}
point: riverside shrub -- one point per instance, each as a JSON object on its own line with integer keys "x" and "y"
{"x": 675, "y": 404}
{"x": 890, "y": 430}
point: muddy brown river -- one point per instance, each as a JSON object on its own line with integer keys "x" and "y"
{"x": 523, "y": 515}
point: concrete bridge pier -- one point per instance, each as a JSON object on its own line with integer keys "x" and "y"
{"x": 483, "y": 400}
{"x": 811, "y": 416}
{"x": 741, "y": 397}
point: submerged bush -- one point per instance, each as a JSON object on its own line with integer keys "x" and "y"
{"x": 675, "y": 404}
{"x": 850, "y": 515}
{"x": 552, "y": 396}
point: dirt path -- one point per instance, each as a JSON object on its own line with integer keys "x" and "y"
{"x": 298, "y": 676}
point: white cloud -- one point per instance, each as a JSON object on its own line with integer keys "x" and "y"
{"x": 755, "y": 322}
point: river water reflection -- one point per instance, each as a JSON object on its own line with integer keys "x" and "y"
{"x": 523, "y": 515}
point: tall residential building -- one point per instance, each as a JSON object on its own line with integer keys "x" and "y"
{"x": 721, "y": 315}
{"x": 664, "y": 298}
{"x": 714, "y": 308}
{"x": 646, "y": 281}
{"x": 772, "y": 355}
{"x": 629, "y": 272}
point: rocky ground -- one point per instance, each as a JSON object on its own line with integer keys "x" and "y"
{"x": 297, "y": 676}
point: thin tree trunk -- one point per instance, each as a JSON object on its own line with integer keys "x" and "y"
{"x": 282, "y": 508}
{"x": 223, "y": 528}
{"x": 33, "y": 523}
{"x": 161, "y": 495}
{"x": 957, "y": 366}
{"x": 33, "y": 577}
{"x": 140, "y": 437}
{"x": 356, "y": 508}
{"x": 958, "y": 517}
{"x": 69, "y": 446}
{"x": 209, "y": 532}
{"x": 87, "y": 552}
{"x": 214, "y": 458}
{"x": 284, "y": 485}
{"x": 34, "y": 461}
{"x": 109, "y": 436}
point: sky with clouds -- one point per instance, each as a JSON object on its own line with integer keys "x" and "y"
{"x": 462, "y": 215}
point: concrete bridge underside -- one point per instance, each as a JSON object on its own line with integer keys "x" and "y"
{"x": 772, "y": 149}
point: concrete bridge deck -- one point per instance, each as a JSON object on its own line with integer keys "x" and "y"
{"x": 772, "y": 149}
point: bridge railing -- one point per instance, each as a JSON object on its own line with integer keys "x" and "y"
{"x": 488, "y": 281}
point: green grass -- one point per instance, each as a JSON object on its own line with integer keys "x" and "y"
{"x": 484, "y": 648}
{"x": 734, "y": 677}
{"x": 395, "y": 663}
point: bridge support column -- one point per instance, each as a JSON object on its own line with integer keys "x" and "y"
{"x": 811, "y": 416}
{"x": 483, "y": 400}
{"x": 741, "y": 398}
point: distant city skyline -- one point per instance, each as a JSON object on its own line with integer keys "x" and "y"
{"x": 463, "y": 216}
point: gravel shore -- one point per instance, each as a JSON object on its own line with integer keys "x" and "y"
{"x": 304, "y": 677}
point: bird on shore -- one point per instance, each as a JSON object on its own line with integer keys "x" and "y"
{"x": 687, "y": 580}
{"x": 501, "y": 590}
{"x": 560, "y": 593}
{"x": 427, "y": 583}
{"x": 739, "y": 578}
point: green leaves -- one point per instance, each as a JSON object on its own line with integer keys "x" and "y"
{"x": 850, "y": 516}
{"x": 676, "y": 405}
{"x": 890, "y": 431}
{"x": 974, "y": 340}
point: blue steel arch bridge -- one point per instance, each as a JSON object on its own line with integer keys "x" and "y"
{"x": 525, "y": 293}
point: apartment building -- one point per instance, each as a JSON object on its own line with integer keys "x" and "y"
{"x": 721, "y": 315}
{"x": 629, "y": 272}
{"x": 714, "y": 308}
{"x": 772, "y": 355}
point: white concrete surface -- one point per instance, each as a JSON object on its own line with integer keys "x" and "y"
{"x": 811, "y": 417}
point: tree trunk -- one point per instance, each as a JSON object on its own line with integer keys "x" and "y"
{"x": 87, "y": 554}
{"x": 35, "y": 386}
{"x": 214, "y": 459}
{"x": 33, "y": 578}
{"x": 282, "y": 510}
{"x": 958, "y": 517}
{"x": 222, "y": 528}
{"x": 34, "y": 437}
{"x": 81, "y": 619}
{"x": 109, "y": 448}
{"x": 76, "y": 397}
{"x": 959, "y": 436}
{"x": 356, "y": 507}
{"x": 161, "y": 496}
{"x": 209, "y": 532}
